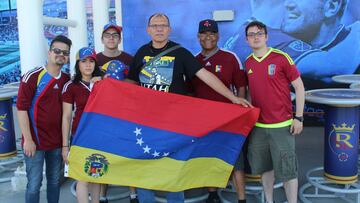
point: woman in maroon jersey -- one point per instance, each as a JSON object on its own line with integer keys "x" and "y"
{"x": 75, "y": 95}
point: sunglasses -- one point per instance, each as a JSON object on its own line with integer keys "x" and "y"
{"x": 58, "y": 51}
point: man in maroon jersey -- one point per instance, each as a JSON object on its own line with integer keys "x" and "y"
{"x": 271, "y": 151}
{"x": 39, "y": 113}
{"x": 227, "y": 67}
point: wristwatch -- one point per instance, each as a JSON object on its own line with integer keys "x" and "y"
{"x": 299, "y": 118}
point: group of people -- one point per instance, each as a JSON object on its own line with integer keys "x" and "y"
{"x": 9, "y": 32}
{"x": 47, "y": 98}
{"x": 9, "y": 76}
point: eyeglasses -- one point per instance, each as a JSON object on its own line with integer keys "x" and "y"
{"x": 161, "y": 26}
{"x": 58, "y": 51}
{"x": 255, "y": 34}
{"x": 111, "y": 35}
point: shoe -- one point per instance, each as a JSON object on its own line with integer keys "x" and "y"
{"x": 213, "y": 199}
{"x": 135, "y": 200}
{"x": 103, "y": 200}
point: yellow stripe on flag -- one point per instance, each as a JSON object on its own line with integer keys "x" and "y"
{"x": 175, "y": 175}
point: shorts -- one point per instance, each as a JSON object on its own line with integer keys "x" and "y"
{"x": 241, "y": 161}
{"x": 273, "y": 149}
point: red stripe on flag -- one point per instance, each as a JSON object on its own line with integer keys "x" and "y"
{"x": 167, "y": 111}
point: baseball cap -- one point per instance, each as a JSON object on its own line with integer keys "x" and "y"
{"x": 112, "y": 25}
{"x": 85, "y": 52}
{"x": 208, "y": 25}
{"x": 116, "y": 69}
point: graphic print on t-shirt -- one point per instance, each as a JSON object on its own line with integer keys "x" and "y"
{"x": 158, "y": 74}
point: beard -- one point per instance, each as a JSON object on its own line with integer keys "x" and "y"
{"x": 60, "y": 61}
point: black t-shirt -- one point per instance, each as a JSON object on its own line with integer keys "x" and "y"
{"x": 168, "y": 73}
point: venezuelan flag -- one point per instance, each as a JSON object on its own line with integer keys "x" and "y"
{"x": 130, "y": 135}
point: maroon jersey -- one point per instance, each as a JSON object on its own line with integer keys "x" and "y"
{"x": 269, "y": 83}
{"x": 123, "y": 57}
{"x": 76, "y": 94}
{"x": 227, "y": 67}
{"x": 40, "y": 96}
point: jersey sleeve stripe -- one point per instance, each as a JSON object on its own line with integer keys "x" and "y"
{"x": 284, "y": 54}
{"x": 30, "y": 73}
{"x": 66, "y": 86}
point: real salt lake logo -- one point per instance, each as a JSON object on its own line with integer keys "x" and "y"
{"x": 96, "y": 165}
{"x": 341, "y": 144}
{"x": 3, "y": 123}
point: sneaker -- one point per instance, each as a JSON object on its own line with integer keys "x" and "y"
{"x": 134, "y": 200}
{"x": 213, "y": 199}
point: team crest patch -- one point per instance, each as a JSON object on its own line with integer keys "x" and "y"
{"x": 218, "y": 68}
{"x": 271, "y": 69}
{"x": 96, "y": 165}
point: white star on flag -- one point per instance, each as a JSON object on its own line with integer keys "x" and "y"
{"x": 137, "y": 131}
{"x": 166, "y": 154}
{"x": 156, "y": 154}
{"x": 147, "y": 149}
{"x": 140, "y": 141}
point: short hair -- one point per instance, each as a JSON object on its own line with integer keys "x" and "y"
{"x": 155, "y": 15}
{"x": 63, "y": 39}
{"x": 257, "y": 24}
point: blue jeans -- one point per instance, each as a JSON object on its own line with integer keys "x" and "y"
{"x": 148, "y": 196}
{"x": 34, "y": 174}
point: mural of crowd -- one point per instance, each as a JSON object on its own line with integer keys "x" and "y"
{"x": 9, "y": 32}
{"x": 10, "y": 76}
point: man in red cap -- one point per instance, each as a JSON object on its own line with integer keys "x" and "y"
{"x": 111, "y": 38}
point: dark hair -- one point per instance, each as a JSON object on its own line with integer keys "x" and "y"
{"x": 63, "y": 39}
{"x": 257, "y": 24}
{"x": 158, "y": 15}
{"x": 78, "y": 77}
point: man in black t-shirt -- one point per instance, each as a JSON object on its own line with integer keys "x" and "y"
{"x": 169, "y": 73}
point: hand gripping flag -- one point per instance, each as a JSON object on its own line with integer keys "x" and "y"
{"x": 130, "y": 135}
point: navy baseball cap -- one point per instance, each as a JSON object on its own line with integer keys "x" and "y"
{"x": 85, "y": 52}
{"x": 208, "y": 25}
{"x": 112, "y": 25}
